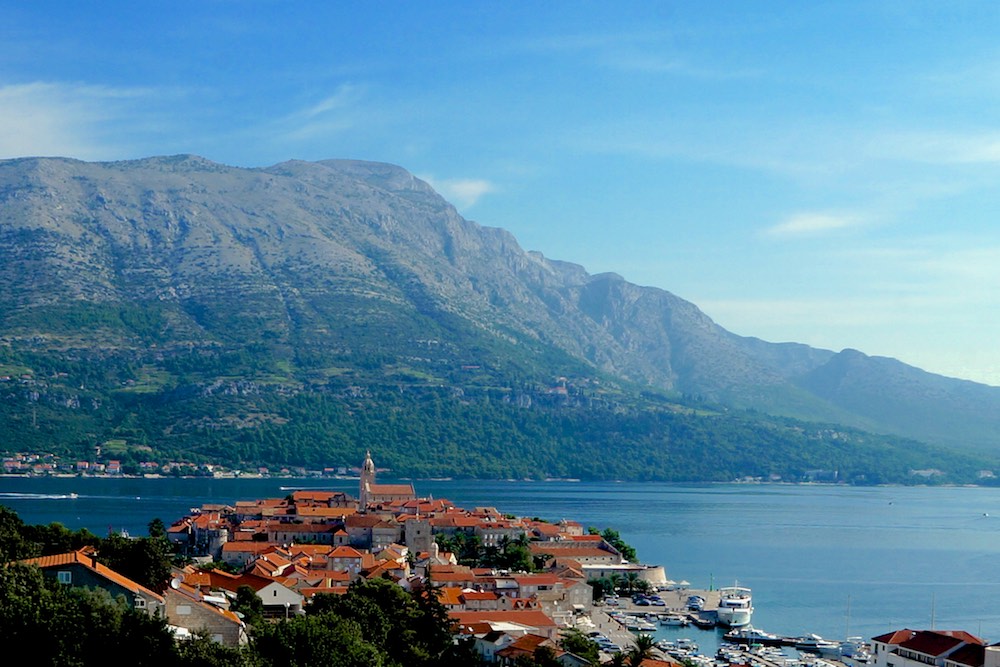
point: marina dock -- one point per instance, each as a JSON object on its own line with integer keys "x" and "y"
{"x": 622, "y": 619}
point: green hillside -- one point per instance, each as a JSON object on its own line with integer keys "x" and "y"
{"x": 301, "y": 314}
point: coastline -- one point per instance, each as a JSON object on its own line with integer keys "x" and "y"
{"x": 548, "y": 480}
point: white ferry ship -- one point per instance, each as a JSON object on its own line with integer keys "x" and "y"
{"x": 735, "y": 606}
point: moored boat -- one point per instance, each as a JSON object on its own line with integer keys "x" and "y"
{"x": 674, "y": 620}
{"x": 735, "y": 606}
{"x": 703, "y": 621}
{"x": 816, "y": 644}
{"x": 748, "y": 634}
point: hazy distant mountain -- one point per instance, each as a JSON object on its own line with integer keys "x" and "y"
{"x": 304, "y": 276}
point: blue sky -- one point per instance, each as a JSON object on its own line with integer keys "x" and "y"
{"x": 825, "y": 173}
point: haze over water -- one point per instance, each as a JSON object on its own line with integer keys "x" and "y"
{"x": 830, "y": 560}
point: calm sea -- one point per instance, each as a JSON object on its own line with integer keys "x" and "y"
{"x": 836, "y": 561}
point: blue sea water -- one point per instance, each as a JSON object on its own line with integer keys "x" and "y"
{"x": 832, "y": 560}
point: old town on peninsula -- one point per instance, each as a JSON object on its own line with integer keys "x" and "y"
{"x": 540, "y": 580}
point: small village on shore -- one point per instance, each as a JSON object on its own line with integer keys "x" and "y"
{"x": 543, "y": 579}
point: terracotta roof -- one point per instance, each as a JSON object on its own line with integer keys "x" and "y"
{"x": 476, "y": 629}
{"x": 302, "y": 528}
{"x": 525, "y": 645}
{"x": 528, "y": 617}
{"x": 479, "y": 595}
{"x": 537, "y": 580}
{"x": 322, "y": 511}
{"x": 973, "y": 655}
{"x": 963, "y": 635}
{"x": 449, "y": 595}
{"x": 931, "y": 643}
{"x": 330, "y": 590}
{"x": 195, "y": 595}
{"x": 455, "y": 522}
{"x": 574, "y": 552}
{"x": 83, "y": 557}
{"x": 315, "y": 496}
{"x": 246, "y": 547}
{"x": 391, "y": 489}
{"x": 362, "y": 520}
{"x": 895, "y": 637}
{"x": 344, "y": 552}
{"x": 453, "y": 577}
{"x": 339, "y": 576}
{"x": 310, "y": 549}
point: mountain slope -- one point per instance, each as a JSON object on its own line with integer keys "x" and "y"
{"x": 173, "y": 277}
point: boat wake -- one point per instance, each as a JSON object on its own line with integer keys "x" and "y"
{"x": 39, "y": 496}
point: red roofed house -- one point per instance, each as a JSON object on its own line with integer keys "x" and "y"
{"x": 241, "y": 554}
{"x": 480, "y": 600}
{"x": 81, "y": 569}
{"x": 532, "y": 620}
{"x": 279, "y": 597}
{"x": 528, "y": 645}
{"x": 919, "y": 648}
{"x": 194, "y": 611}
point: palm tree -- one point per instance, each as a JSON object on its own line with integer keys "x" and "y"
{"x": 642, "y": 648}
{"x": 630, "y": 581}
{"x": 617, "y": 660}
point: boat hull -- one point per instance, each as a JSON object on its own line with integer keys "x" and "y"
{"x": 734, "y": 618}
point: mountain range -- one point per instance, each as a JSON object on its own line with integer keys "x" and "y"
{"x": 185, "y": 307}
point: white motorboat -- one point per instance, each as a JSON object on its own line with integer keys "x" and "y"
{"x": 674, "y": 619}
{"x": 735, "y": 606}
{"x": 818, "y": 645}
{"x": 747, "y": 634}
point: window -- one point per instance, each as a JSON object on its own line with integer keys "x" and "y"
{"x": 183, "y": 610}
{"x": 65, "y": 577}
{"x": 140, "y": 603}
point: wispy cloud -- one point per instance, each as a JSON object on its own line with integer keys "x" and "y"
{"x": 462, "y": 192}
{"x": 66, "y": 119}
{"x": 944, "y": 148}
{"x": 657, "y": 63}
{"x": 813, "y": 223}
{"x": 337, "y": 112}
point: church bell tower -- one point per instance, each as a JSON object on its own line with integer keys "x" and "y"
{"x": 367, "y": 481}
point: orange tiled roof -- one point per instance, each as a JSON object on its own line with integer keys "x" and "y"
{"x": 323, "y": 512}
{"x": 895, "y": 637}
{"x": 569, "y": 552}
{"x": 310, "y": 591}
{"x": 83, "y": 557}
{"x": 537, "y": 580}
{"x": 529, "y": 617}
{"x": 450, "y": 595}
{"x": 246, "y": 547}
{"x": 344, "y": 552}
{"x": 524, "y": 645}
{"x": 479, "y": 596}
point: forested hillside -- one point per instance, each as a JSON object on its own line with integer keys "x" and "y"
{"x": 175, "y": 308}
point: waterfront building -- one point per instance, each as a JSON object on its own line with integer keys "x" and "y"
{"x": 941, "y": 648}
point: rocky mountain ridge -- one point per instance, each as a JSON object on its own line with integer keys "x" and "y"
{"x": 321, "y": 268}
